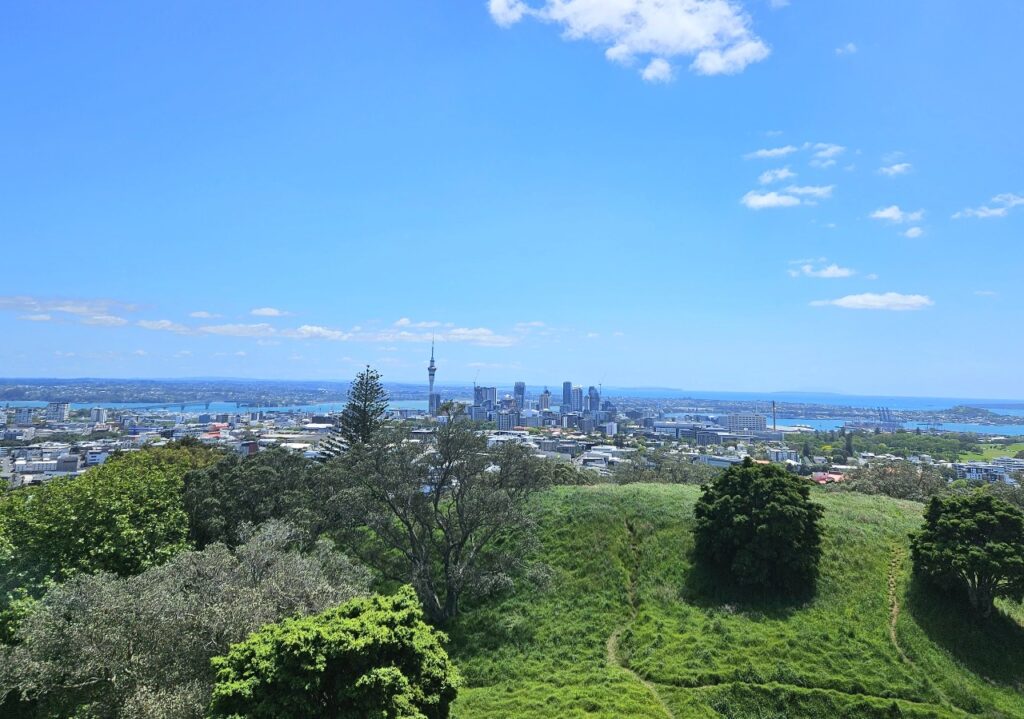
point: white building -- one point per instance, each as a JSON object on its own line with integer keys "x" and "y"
{"x": 58, "y": 412}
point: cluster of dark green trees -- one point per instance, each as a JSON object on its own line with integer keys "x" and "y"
{"x": 185, "y": 582}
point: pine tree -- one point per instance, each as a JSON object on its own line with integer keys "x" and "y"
{"x": 363, "y": 416}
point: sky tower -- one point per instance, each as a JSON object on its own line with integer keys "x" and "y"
{"x": 433, "y": 400}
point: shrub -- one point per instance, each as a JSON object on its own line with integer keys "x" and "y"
{"x": 757, "y": 527}
{"x": 372, "y": 657}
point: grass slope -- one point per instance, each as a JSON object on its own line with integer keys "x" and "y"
{"x": 624, "y": 629}
{"x": 991, "y": 451}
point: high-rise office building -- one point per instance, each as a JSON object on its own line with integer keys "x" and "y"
{"x": 57, "y": 412}
{"x": 595, "y": 399}
{"x": 545, "y": 399}
{"x": 519, "y": 393}
{"x": 576, "y": 399}
{"x": 566, "y": 397}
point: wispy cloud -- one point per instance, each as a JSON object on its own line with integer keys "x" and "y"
{"x": 105, "y": 320}
{"x": 770, "y": 153}
{"x": 824, "y": 154}
{"x": 76, "y": 307}
{"x": 890, "y": 301}
{"x": 913, "y": 232}
{"x": 985, "y": 293}
{"x": 847, "y": 49}
{"x": 36, "y": 318}
{"x": 261, "y": 329}
{"x": 1002, "y": 205}
{"x": 203, "y": 315}
{"x": 765, "y": 200}
{"x": 899, "y": 168}
{"x": 717, "y": 34}
{"x": 820, "y": 192}
{"x": 828, "y": 272}
{"x": 163, "y": 326}
{"x": 894, "y": 214}
{"x": 268, "y": 312}
{"x": 778, "y": 175}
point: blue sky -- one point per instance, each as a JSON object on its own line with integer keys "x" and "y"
{"x": 745, "y": 196}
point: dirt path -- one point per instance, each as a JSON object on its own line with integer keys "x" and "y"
{"x": 895, "y": 562}
{"x": 612, "y": 655}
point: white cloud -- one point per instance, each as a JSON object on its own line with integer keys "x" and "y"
{"x": 893, "y": 213}
{"x": 818, "y": 191}
{"x": 767, "y": 153}
{"x": 318, "y": 332}
{"x": 913, "y": 232}
{"x": 777, "y": 4}
{"x": 139, "y": 353}
{"x": 268, "y": 312}
{"x": 105, "y": 320}
{"x": 203, "y": 315}
{"x": 657, "y": 70}
{"x": 1005, "y": 202}
{"x": 261, "y": 329}
{"x": 763, "y": 200}
{"x": 769, "y": 176}
{"x": 985, "y": 293}
{"x": 825, "y": 153}
{"x": 899, "y": 168}
{"x": 891, "y": 301}
{"x": 36, "y": 318}
{"x": 163, "y": 326}
{"x": 828, "y": 272}
{"x": 716, "y": 33}
{"x": 39, "y": 305}
{"x": 847, "y": 49}
{"x": 406, "y": 322}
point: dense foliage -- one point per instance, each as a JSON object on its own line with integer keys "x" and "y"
{"x": 371, "y": 658}
{"x": 839, "y": 445}
{"x": 448, "y": 519}
{"x": 121, "y": 517}
{"x": 900, "y": 480}
{"x": 662, "y": 466}
{"x": 756, "y": 526}
{"x": 973, "y": 541}
{"x": 274, "y": 484}
{"x": 363, "y": 416}
{"x": 104, "y": 646}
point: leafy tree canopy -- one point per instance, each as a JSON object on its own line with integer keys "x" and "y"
{"x": 757, "y": 527}
{"x": 221, "y": 499}
{"x": 371, "y": 658}
{"x": 973, "y": 541}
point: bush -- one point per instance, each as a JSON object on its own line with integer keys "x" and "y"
{"x": 112, "y": 648}
{"x": 372, "y": 657}
{"x": 757, "y": 528}
{"x": 974, "y": 542}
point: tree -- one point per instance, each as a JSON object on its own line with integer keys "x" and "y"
{"x": 662, "y": 466}
{"x": 900, "y": 480}
{"x": 113, "y": 648}
{"x": 372, "y": 657}
{"x": 757, "y": 527}
{"x": 974, "y": 541}
{"x": 363, "y": 416}
{"x": 448, "y": 518}
{"x": 121, "y": 517}
{"x": 273, "y": 484}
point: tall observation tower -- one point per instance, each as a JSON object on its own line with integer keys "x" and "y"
{"x": 433, "y": 400}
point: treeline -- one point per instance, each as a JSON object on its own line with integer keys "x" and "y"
{"x": 842, "y": 444}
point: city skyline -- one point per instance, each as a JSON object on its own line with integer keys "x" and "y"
{"x": 820, "y": 202}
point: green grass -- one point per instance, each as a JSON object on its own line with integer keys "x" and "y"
{"x": 991, "y": 451}
{"x": 624, "y": 629}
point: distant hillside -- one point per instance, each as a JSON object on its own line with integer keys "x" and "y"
{"x": 624, "y": 630}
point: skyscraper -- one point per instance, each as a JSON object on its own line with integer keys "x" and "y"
{"x": 520, "y": 395}
{"x": 595, "y": 399}
{"x": 577, "y": 399}
{"x": 433, "y": 400}
{"x": 566, "y": 397}
{"x": 545, "y": 399}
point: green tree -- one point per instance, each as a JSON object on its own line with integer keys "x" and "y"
{"x": 757, "y": 527}
{"x": 449, "y": 518}
{"x": 274, "y": 484}
{"x": 363, "y": 416}
{"x": 372, "y": 658}
{"x": 900, "y": 480}
{"x": 121, "y": 517}
{"x": 108, "y": 647}
{"x": 974, "y": 541}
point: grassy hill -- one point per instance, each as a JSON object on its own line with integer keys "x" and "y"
{"x": 624, "y": 629}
